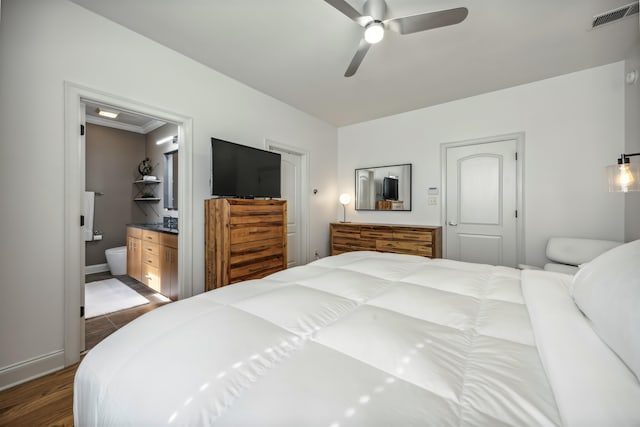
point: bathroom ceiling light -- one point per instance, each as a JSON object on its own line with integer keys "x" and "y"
{"x": 173, "y": 139}
{"x": 107, "y": 113}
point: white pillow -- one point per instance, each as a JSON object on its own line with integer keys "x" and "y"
{"x": 607, "y": 290}
{"x": 576, "y": 251}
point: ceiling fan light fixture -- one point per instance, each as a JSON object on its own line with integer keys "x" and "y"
{"x": 374, "y": 32}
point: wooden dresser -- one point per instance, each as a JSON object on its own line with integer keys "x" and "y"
{"x": 403, "y": 239}
{"x": 244, "y": 239}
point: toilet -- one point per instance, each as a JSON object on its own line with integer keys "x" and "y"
{"x": 117, "y": 260}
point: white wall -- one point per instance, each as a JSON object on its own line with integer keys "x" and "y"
{"x": 42, "y": 45}
{"x": 632, "y": 145}
{"x": 573, "y": 125}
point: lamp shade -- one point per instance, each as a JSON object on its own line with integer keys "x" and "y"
{"x": 345, "y": 198}
{"x": 624, "y": 177}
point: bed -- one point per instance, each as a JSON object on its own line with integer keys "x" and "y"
{"x": 375, "y": 339}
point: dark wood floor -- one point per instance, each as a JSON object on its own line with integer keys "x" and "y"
{"x": 48, "y": 401}
{"x": 100, "y": 327}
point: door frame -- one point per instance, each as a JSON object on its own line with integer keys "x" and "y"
{"x": 520, "y": 229}
{"x": 74, "y": 183}
{"x": 304, "y": 194}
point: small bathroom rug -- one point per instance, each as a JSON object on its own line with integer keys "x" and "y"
{"x": 107, "y": 296}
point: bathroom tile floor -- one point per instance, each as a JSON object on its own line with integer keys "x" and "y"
{"x": 100, "y": 327}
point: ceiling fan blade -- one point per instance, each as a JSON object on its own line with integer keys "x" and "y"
{"x": 345, "y": 8}
{"x": 357, "y": 58}
{"x": 427, "y": 21}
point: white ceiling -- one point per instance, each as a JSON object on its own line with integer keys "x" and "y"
{"x": 297, "y": 50}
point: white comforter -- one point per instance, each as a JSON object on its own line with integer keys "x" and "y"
{"x": 362, "y": 338}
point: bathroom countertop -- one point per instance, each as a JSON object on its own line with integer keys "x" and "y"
{"x": 155, "y": 227}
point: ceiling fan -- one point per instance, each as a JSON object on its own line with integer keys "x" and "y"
{"x": 374, "y": 21}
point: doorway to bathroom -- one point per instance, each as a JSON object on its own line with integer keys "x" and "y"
{"x": 78, "y": 100}
{"x": 130, "y": 178}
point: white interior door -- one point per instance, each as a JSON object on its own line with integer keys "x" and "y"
{"x": 481, "y": 203}
{"x": 83, "y": 148}
{"x": 291, "y": 192}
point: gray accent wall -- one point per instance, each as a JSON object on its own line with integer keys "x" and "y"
{"x": 112, "y": 158}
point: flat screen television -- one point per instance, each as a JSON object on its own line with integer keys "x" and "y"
{"x": 390, "y": 188}
{"x": 242, "y": 171}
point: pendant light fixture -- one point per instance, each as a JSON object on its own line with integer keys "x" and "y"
{"x": 625, "y": 175}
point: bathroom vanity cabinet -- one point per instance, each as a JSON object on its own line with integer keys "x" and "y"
{"x": 134, "y": 253}
{"x": 154, "y": 259}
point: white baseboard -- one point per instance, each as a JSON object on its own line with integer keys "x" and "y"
{"x": 30, "y": 369}
{"x": 97, "y": 268}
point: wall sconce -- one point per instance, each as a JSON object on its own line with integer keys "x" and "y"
{"x": 344, "y": 200}
{"x": 624, "y": 176}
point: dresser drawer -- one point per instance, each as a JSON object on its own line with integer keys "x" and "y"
{"x": 247, "y": 251}
{"x": 421, "y": 235}
{"x": 376, "y": 233}
{"x": 350, "y": 232}
{"x": 256, "y": 270}
{"x": 151, "y": 259}
{"x": 255, "y": 210}
{"x": 354, "y": 244}
{"x": 404, "y": 247}
{"x": 257, "y": 219}
{"x": 150, "y": 248}
{"x": 151, "y": 277}
{"x": 254, "y": 233}
{"x": 150, "y": 236}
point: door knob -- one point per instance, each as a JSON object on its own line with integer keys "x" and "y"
{"x": 453, "y": 224}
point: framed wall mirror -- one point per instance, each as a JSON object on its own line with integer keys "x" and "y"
{"x": 384, "y": 188}
{"x": 171, "y": 180}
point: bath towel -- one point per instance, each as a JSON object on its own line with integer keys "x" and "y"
{"x": 89, "y": 199}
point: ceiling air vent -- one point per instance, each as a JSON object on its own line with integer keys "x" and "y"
{"x": 615, "y": 14}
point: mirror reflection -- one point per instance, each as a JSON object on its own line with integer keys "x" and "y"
{"x": 384, "y": 188}
{"x": 171, "y": 180}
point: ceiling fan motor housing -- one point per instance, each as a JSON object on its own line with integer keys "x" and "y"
{"x": 377, "y": 9}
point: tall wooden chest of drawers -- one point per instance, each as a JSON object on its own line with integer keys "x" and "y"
{"x": 403, "y": 239}
{"x": 244, "y": 239}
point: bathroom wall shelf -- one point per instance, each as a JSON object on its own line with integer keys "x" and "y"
{"x": 146, "y": 193}
{"x": 147, "y": 181}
